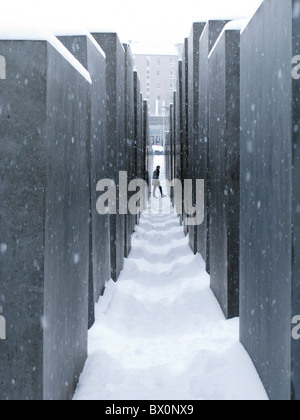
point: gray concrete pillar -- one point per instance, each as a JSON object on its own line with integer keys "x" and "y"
{"x": 270, "y": 196}
{"x": 44, "y": 220}
{"x": 224, "y": 169}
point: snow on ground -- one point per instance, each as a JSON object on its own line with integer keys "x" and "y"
{"x": 160, "y": 333}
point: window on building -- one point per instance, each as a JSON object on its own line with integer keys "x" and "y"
{"x": 158, "y": 62}
{"x": 148, "y": 62}
{"x": 158, "y": 73}
{"x": 172, "y": 61}
{"x": 158, "y": 86}
{"x": 172, "y": 74}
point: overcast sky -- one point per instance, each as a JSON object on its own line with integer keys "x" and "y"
{"x": 160, "y": 21}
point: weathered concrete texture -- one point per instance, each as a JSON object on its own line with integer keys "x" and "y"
{"x": 138, "y": 130}
{"x": 208, "y": 39}
{"x": 224, "y": 170}
{"x": 295, "y": 394}
{"x": 44, "y": 212}
{"x": 171, "y": 147}
{"x": 179, "y": 124}
{"x": 145, "y": 140}
{"x": 167, "y": 151}
{"x": 179, "y": 152}
{"x": 89, "y": 54}
{"x": 185, "y": 118}
{"x": 148, "y": 156}
{"x": 129, "y": 138}
{"x": 115, "y": 107}
{"x": 174, "y": 139}
{"x": 270, "y": 196}
{"x": 193, "y": 112}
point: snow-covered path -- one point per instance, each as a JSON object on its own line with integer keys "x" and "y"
{"x": 160, "y": 333}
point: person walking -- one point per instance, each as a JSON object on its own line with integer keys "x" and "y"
{"x": 156, "y": 183}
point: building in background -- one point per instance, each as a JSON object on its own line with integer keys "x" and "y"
{"x": 158, "y": 128}
{"x": 157, "y": 68}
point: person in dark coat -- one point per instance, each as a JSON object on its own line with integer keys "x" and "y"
{"x": 156, "y": 183}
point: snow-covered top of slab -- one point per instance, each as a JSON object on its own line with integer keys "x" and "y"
{"x": 68, "y": 30}
{"x": 22, "y": 32}
{"x": 234, "y": 25}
